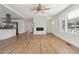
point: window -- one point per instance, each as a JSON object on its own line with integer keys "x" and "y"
{"x": 71, "y": 24}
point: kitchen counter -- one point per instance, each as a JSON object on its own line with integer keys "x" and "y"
{"x": 7, "y": 33}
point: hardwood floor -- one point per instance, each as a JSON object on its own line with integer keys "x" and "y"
{"x": 36, "y": 44}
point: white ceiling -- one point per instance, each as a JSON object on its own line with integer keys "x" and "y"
{"x": 4, "y": 11}
{"x": 23, "y": 10}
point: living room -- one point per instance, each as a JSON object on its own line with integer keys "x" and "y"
{"x": 39, "y": 28}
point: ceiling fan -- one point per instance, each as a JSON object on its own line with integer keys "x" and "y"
{"x": 39, "y": 8}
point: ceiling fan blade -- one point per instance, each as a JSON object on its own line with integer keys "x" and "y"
{"x": 46, "y": 9}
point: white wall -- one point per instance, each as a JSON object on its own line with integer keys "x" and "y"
{"x": 56, "y": 28}
{"x": 73, "y": 14}
{"x": 49, "y": 25}
{"x": 28, "y": 25}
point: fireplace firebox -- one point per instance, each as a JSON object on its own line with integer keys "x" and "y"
{"x": 39, "y": 29}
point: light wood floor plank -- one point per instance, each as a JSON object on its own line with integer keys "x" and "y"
{"x": 36, "y": 44}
